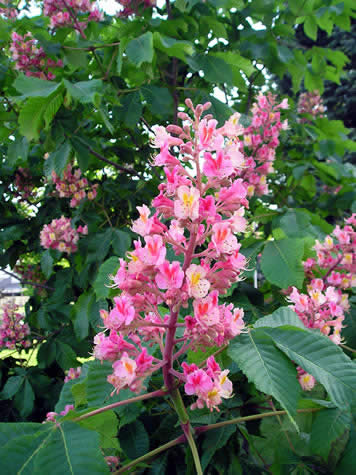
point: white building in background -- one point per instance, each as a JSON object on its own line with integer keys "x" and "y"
{"x": 9, "y": 286}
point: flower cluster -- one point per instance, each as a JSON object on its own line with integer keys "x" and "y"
{"x": 14, "y": 331}
{"x": 30, "y": 272}
{"x": 73, "y": 186}
{"x": 133, "y": 6}
{"x": 258, "y": 142}
{"x": 30, "y": 58}
{"x": 334, "y": 270}
{"x": 72, "y": 373}
{"x": 189, "y": 256}
{"x": 209, "y": 385}
{"x": 24, "y": 183}
{"x": 8, "y": 11}
{"x": 67, "y": 13}
{"x": 60, "y": 235}
{"x": 310, "y": 103}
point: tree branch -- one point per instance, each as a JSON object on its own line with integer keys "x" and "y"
{"x": 27, "y": 282}
{"x": 106, "y": 160}
{"x": 157, "y": 393}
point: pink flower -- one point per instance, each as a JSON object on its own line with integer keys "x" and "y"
{"x": 154, "y": 252}
{"x": 198, "y": 286}
{"x": 170, "y": 275}
{"x": 122, "y": 314}
{"x": 198, "y": 382}
{"x": 206, "y": 310}
{"x": 222, "y": 238}
{"x": 187, "y": 205}
{"x": 220, "y": 167}
{"x": 125, "y": 370}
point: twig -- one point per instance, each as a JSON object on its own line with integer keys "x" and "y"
{"x": 157, "y": 393}
{"x": 168, "y": 445}
{"x": 106, "y": 160}
{"x": 89, "y": 48}
{"x": 27, "y": 282}
{"x": 237, "y": 420}
{"x": 348, "y": 348}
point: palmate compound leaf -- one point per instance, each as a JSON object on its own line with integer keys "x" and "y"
{"x": 47, "y": 448}
{"x": 319, "y": 356}
{"x": 267, "y": 367}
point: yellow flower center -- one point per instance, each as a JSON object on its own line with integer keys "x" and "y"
{"x": 195, "y": 278}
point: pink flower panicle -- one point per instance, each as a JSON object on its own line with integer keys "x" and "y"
{"x": 8, "y": 11}
{"x": 73, "y": 186}
{"x": 25, "y": 189}
{"x": 30, "y": 272}
{"x": 71, "y": 13}
{"x": 60, "y": 235}
{"x": 31, "y": 58}
{"x": 328, "y": 275}
{"x": 14, "y": 332}
{"x": 132, "y": 7}
{"x": 310, "y": 103}
{"x": 252, "y": 149}
{"x": 72, "y": 373}
{"x": 196, "y": 216}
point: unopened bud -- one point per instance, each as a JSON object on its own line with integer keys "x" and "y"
{"x": 189, "y": 103}
{"x": 183, "y": 116}
{"x": 174, "y": 129}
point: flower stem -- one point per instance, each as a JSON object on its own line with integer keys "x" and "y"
{"x": 200, "y": 430}
{"x": 187, "y": 429}
{"x": 154, "y": 452}
{"x": 157, "y": 393}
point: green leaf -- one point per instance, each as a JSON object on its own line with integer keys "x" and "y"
{"x": 159, "y": 100}
{"x": 215, "y": 69}
{"x": 65, "y": 356}
{"x": 11, "y": 387}
{"x": 79, "y": 391}
{"x": 319, "y": 356}
{"x": 47, "y": 263}
{"x": 66, "y": 448}
{"x": 99, "y": 245}
{"x": 130, "y": 109}
{"x": 311, "y": 27}
{"x": 102, "y": 281}
{"x": 31, "y": 117}
{"x": 30, "y": 86}
{"x": 236, "y": 60}
{"x": 140, "y": 50}
{"x": 215, "y": 440}
{"x": 134, "y": 440}
{"x": 85, "y": 91}
{"x": 17, "y": 151}
{"x": 282, "y": 316}
{"x": 172, "y": 47}
{"x": 266, "y": 367}
{"x": 106, "y": 424}
{"x": 281, "y": 262}
{"x": 81, "y": 310}
{"x": 24, "y": 399}
{"x": 58, "y": 160}
{"x": 53, "y": 104}
{"x": 329, "y": 426}
{"x": 121, "y": 242}
{"x": 347, "y": 461}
